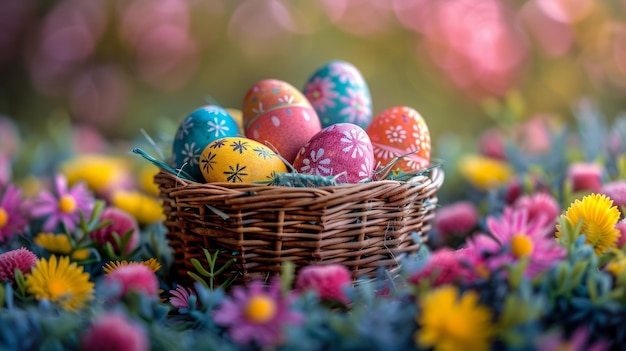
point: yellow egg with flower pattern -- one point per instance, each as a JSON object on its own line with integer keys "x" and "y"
{"x": 239, "y": 160}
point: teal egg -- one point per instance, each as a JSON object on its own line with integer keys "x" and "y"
{"x": 339, "y": 94}
{"x": 198, "y": 130}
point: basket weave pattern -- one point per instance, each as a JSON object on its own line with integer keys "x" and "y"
{"x": 362, "y": 226}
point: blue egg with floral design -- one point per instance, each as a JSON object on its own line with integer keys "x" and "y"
{"x": 339, "y": 94}
{"x": 198, "y": 130}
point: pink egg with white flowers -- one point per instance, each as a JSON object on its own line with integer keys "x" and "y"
{"x": 341, "y": 150}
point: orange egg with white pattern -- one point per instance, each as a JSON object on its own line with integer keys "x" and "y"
{"x": 277, "y": 113}
{"x": 398, "y": 131}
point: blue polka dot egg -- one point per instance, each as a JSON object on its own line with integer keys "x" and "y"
{"x": 339, "y": 94}
{"x": 198, "y": 130}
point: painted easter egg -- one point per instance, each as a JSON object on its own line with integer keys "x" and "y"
{"x": 399, "y": 131}
{"x": 339, "y": 94}
{"x": 196, "y": 131}
{"x": 342, "y": 150}
{"x": 275, "y": 112}
{"x": 239, "y": 160}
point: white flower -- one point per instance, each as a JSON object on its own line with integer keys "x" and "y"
{"x": 316, "y": 164}
{"x": 395, "y": 134}
{"x": 184, "y": 128}
{"x": 191, "y": 153}
{"x": 356, "y": 140}
{"x": 219, "y": 126}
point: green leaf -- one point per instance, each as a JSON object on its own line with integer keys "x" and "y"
{"x": 198, "y": 279}
{"x": 198, "y": 266}
{"x": 287, "y": 276}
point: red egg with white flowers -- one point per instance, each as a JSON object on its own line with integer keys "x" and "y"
{"x": 277, "y": 113}
{"x": 398, "y": 131}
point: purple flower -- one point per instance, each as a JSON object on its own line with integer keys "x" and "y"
{"x": 5, "y": 169}
{"x": 256, "y": 314}
{"x": 122, "y": 222}
{"x": 621, "y": 226}
{"x": 21, "y": 259}
{"x": 179, "y": 297}
{"x": 113, "y": 331}
{"x": 525, "y": 238}
{"x": 13, "y": 219}
{"x": 64, "y": 205}
{"x": 578, "y": 341}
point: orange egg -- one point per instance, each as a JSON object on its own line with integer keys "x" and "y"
{"x": 277, "y": 113}
{"x": 398, "y": 131}
{"x": 239, "y": 160}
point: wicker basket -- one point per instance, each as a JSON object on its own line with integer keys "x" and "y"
{"x": 362, "y": 226}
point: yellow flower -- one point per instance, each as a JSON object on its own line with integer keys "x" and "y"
{"x": 452, "y": 322}
{"x": 101, "y": 173}
{"x": 485, "y": 173}
{"x": 616, "y": 266}
{"x": 60, "y": 282}
{"x": 146, "y": 209}
{"x": 60, "y": 244}
{"x": 151, "y": 263}
{"x": 598, "y": 217}
{"x": 146, "y": 179}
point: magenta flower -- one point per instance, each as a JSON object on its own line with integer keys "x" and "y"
{"x": 320, "y": 93}
{"x": 122, "y": 223}
{"x": 616, "y": 190}
{"x": 179, "y": 297}
{"x": 328, "y": 280}
{"x": 357, "y": 109}
{"x": 114, "y": 331}
{"x": 63, "y": 206}
{"x": 257, "y": 314}
{"x": 584, "y": 176}
{"x": 492, "y": 143}
{"x": 21, "y": 259}
{"x": 524, "y": 238}
{"x": 13, "y": 219}
{"x": 134, "y": 277}
{"x": 458, "y": 218}
{"x": 578, "y": 341}
{"x": 539, "y": 205}
{"x": 445, "y": 266}
{"x": 5, "y": 169}
{"x": 621, "y": 226}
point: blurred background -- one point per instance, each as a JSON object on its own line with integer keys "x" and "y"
{"x": 114, "y": 67}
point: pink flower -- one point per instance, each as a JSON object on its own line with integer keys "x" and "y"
{"x": 5, "y": 169}
{"x": 13, "y": 219}
{"x": 492, "y": 143}
{"x": 134, "y": 277}
{"x": 328, "y": 280}
{"x": 458, "y": 218}
{"x": 445, "y": 266}
{"x": 616, "y": 190}
{"x": 320, "y": 93}
{"x": 21, "y": 259}
{"x": 256, "y": 314}
{"x": 122, "y": 223}
{"x": 584, "y": 177}
{"x": 356, "y": 108}
{"x": 621, "y": 226}
{"x": 524, "y": 238}
{"x": 63, "y": 206}
{"x": 113, "y": 331}
{"x": 525, "y": 185}
{"x": 578, "y": 341}
{"x": 179, "y": 297}
{"x": 539, "y": 205}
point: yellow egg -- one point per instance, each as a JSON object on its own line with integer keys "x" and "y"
{"x": 239, "y": 160}
{"x": 237, "y": 115}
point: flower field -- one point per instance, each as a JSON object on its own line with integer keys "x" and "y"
{"x": 528, "y": 254}
{"x": 519, "y": 104}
